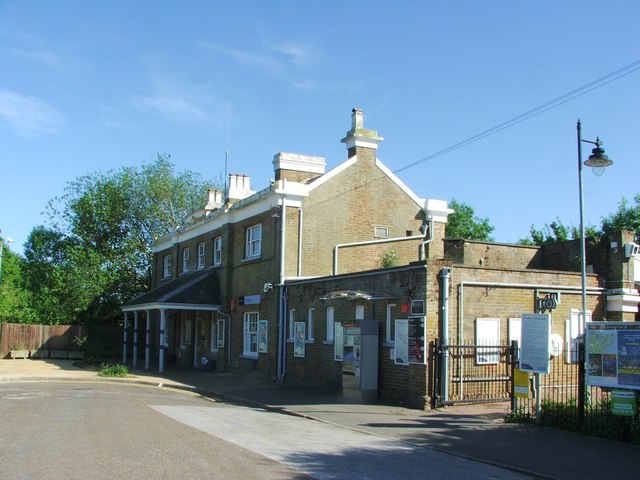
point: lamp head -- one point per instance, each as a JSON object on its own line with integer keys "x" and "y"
{"x": 598, "y": 160}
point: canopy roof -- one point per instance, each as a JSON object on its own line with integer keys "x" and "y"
{"x": 196, "y": 291}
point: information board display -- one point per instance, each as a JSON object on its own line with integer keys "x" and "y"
{"x": 534, "y": 351}
{"x": 612, "y": 352}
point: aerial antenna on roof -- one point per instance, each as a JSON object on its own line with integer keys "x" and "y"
{"x": 226, "y": 175}
{"x": 226, "y": 166}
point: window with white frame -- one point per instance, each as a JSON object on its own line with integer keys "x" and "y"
{"x": 217, "y": 334}
{"x": 310, "y": 324}
{"x": 166, "y": 266}
{"x": 201, "y": 254}
{"x": 573, "y": 329}
{"x": 514, "y": 330}
{"x": 185, "y": 259}
{"x": 253, "y": 243}
{"x": 292, "y": 321}
{"x": 185, "y": 333}
{"x": 250, "y": 334}
{"x": 487, "y": 333}
{"x": 389, "y": 328}
{"x": 330, "y": 324}
{"x": 217, "y": 251}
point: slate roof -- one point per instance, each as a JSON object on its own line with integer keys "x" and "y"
{"x": 193, "y": 291}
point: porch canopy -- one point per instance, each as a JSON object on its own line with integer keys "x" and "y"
{"x": 196, "y": 291}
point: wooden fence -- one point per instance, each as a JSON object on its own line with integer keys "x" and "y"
{"x": 40, "y": 341}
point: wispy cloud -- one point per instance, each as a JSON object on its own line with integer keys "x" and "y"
{"x": 261, "y": 61}
{"x": 299, "y": 54}
{"x": 288, "y": 61}
{"x": 180, "y": 101}
{"x": 26, "y": 47}
{"x": 28, "y": 116}
{"x": 39, "y": 56}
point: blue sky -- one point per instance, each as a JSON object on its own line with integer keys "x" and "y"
{"x": 91, "y": 86}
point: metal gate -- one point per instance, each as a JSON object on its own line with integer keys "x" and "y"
{"x": 472, "y": 373}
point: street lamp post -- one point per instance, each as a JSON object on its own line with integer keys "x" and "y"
{"x": 598, "y": 161}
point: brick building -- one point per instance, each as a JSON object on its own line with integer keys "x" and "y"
{"x": 274, "y": 281}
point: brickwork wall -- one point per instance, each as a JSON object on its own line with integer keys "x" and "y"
{"x": 492, "y": 255}
{"x": 347, "y": 209}
{"x": 399, "y": 383}
{"x": 502, "y": 300}
{"x": 295, "y": 176}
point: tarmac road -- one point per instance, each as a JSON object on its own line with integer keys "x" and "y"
{"x": 108, "y": 430}
{"x": 475, "y": 432}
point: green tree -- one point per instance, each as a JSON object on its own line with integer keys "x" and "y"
{"x": 463, "y": 223}
{"x": 14, "y": 296}
{"x": 626, "y": 217}
{"x": 96, "y": 253}
{"x": 556, "y": 231}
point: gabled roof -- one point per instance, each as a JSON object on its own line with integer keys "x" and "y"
{"x": 196, "y": 291}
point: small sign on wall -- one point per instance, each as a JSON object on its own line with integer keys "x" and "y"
{"x": 417, "y": 307}
{"x": 249, "y": 300}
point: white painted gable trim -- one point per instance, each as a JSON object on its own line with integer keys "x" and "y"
{"x": 332, "y": 173}
{"x": 419, "y": 201}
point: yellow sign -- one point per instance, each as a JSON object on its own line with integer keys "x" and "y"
{"x": 521, "y": 383}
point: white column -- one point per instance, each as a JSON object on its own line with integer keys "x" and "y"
{"x": 124, "y": 339}
{"x": 135, "y": 339}
{"x": 163, "y": 326}
{"x": 147, "y": 348}
{"x": 196, "y": 341}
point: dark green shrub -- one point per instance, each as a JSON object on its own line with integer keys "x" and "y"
{"x": 113, "y": 370}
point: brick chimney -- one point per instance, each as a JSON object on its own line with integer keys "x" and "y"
{"x": 298, "y": 168}
{"x": 216, "y": 199}
{"x": 359, "y": 139}
{"x": 239, "y": 187}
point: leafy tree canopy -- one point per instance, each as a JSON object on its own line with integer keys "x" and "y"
{"x": 14, "y": 296}
{"x": 556, "y": 231}
{"x": 627, "y": 217}
{"x": 96, "y": 252}
{"x": 463, "y": 223}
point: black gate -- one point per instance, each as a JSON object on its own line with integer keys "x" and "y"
{"x": 472, "y": 373}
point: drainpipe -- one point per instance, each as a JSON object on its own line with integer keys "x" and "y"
{"x": 428, "y": 238}
{"x": 300, "y": 217}
{"x": 282, "y": 341}
{"x": 445, "y": 274}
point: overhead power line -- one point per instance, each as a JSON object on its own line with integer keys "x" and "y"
{"x": 573, "y": 94}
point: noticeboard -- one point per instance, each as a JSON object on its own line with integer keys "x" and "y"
{"x": 613, "y": 354}
{"x": 410, "y": 340}
{"x": 534, "y": 351}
